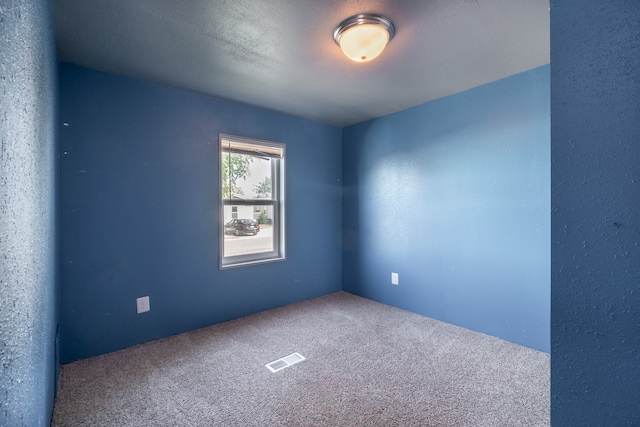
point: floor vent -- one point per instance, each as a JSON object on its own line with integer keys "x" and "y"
{"x": 289, "y": 360}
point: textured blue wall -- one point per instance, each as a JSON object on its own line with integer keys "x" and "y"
{"x": 139, "y": 212}
{"x": 595, "y": 130}
{"x": 454, "y": 195}
{"x": 28, "y": 315}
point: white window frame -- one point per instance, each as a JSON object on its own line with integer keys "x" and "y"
{"x": 276, "y": 151}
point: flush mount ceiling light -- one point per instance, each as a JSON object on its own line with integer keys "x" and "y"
{"x": 363, "y": 37}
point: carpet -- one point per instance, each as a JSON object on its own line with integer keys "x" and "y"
{"x": 367, "y": 364}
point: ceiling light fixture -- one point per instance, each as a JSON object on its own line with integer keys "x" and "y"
{"x": 363, "y": 37}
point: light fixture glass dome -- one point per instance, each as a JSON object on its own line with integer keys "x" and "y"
{"x": 363, "y": 37}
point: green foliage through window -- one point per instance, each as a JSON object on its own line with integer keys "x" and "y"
{"x": 234, "y": 167}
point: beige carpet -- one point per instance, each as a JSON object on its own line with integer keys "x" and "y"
{"x": 367, "y": 364}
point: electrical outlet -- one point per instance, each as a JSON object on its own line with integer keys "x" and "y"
{"x": 142, "y": 304}
{"x": 394, "y": 278}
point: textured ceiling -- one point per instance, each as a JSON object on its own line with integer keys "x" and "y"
{"x": 280, "y": 54}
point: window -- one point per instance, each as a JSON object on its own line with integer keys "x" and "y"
{"x": 251, "y": 201}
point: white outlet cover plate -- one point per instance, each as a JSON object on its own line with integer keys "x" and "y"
{"x": 142, "y": 304}
{"x": 394, "y": 278}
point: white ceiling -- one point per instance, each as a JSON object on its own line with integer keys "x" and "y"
{"x": 280, "y": 54}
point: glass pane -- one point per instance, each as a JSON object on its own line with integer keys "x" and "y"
{"x": 246, "y": 177}
{"x": 251, "y": 232}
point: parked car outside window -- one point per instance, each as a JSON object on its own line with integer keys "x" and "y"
{"x": 242, "y": 227}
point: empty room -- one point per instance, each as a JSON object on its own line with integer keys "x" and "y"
{"x": 319, "y": 213}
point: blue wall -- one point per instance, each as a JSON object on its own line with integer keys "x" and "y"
{"x": 28, "y": 314}
{"x": 595, "y": 130}
{"x": 139, "y": 212}
{"x": 454, "y": 195}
